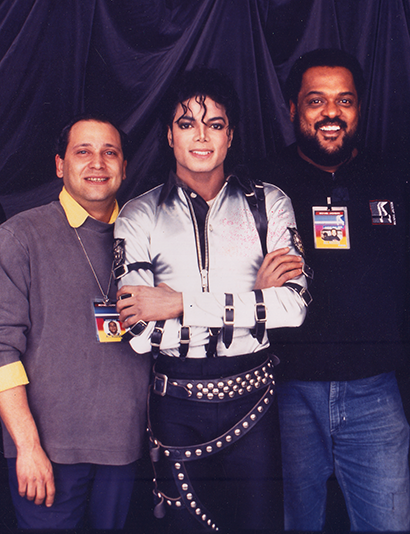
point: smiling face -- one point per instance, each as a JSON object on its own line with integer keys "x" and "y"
{"x": 200, "y": 138}
{"x": 326, "y": 116}
{"x": 93, "y": 166}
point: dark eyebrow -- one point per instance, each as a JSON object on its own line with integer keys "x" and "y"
{"x": 344, "y": 93}
{"x": 191, "y": 119}
{"x": 106, "y": 145}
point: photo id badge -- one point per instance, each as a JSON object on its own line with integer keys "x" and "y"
{"x": 108, "y": 326}
{"x": 330, "y": 228}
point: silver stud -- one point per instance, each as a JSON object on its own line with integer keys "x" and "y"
{"x": 221, "y": 395}
{"x": 199, "y": 395}
{"x": 237, "y": 432}
{"x": 257, "y": 373}
{"x": 264, "y": 369}
{"x": 220, "y": 385}
{"x": 185, "y": 487}
{"x": 266, "y": 401}
{"x": 253, "y": 417}
{"x": 193, "y": 504}
{"x": 189, "y": 496}
{"x": 238, "y": 379}
{"x": 167, "y": 453}
{"x": 243, "y": 384}
{"x": 188, "y": 454}
{"x": 236, "y": 387}
{"x": 181, "y": 476}
{"x": 260, "y": 409}
{"x": 177, "y": 466}
{"x": 189, "y": 386}
{"x": 215, "y": 391}
{"x": 230, "y": 382}
{"x": 203, "y": 517}
{"x": 198, "y": 511}
{"x": 245, "y": 424}
{"x": 232, "y": 394}
{"x": 210, "y": 396}
{"x": 240, "y": 391}
{"x": 169, "y": 503}
{"x": 228, "y": 439}
{"x": 219, "y": 444}
{"x": 271, "y": 392}
{"x": 264, "y": 380}
{"x": 257, "y": 385}
{"x": 205, "y": 391}
{"x": 209, "y": 522}
{"x": 178, "y": 504}
{"x": 199, "y": 386}
{"x": 248, "y": 376}
{"x": 209, "y": 448}
{"x": 210, "y": 385}
{"x": 249, "y": 389}
{"x": 252, "y": 381}
{"x": 226, "y": 389}
{"x": 198, "y": 452}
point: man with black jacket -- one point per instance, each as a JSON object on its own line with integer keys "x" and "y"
{"x": 340, "y": 407}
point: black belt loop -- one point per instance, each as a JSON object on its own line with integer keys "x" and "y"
{"x": 156, "y": 338}
{"x": 229, "y": 318}
{"x": 260, "y": 316}
{"x": 213, "y": 342}
{"x": 134, "y": 331}
{"x": 184, "y": 337}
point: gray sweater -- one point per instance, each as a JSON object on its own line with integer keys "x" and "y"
{"x": 88, "y": 398}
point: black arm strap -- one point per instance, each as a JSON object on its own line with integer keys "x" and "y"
{"x": 123, "y": 269}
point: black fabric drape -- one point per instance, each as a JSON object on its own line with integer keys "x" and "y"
{"x": 59, "y": 58}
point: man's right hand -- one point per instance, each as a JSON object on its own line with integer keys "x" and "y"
{"x": 33, "y": 468}
{"x": 35, "y": 476}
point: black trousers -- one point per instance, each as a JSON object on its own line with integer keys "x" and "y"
{"x": 239, "y": 486}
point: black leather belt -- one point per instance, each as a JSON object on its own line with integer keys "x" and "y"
{"x": 215, "y": 390}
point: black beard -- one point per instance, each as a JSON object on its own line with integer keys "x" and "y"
{"x": 310, "y": 146}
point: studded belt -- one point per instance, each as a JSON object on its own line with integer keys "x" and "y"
{"x": 180, "y": 454}
{"x": 215, "y": 390}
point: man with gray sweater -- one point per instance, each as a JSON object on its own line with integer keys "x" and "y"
{"x": 72, "y": 399}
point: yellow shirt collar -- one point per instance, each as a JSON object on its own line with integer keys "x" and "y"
{"x": 76, "y": 214}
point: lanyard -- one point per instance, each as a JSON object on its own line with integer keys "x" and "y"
{"x": 105, "y": 295}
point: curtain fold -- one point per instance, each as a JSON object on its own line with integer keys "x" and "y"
{"x": 59, "y": 58}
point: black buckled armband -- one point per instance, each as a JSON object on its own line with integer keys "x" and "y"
{"x": 213, "y": 342}
{"x": 184, "y": 337}
{"x": 260, "y": 316}
{"x": 124, "y": 269}
{"x": 136, "y": 330}
{"x": 229, "y": 318}
{"x": 301, "y": 291}
{"x": 156, "y": 337}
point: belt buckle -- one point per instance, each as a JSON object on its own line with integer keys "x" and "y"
{"x": 164, "y": 384}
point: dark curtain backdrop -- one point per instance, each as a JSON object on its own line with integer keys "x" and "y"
{"x": 62, "y": 57}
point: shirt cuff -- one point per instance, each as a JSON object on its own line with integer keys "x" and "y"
{"x": 12, "y": 375}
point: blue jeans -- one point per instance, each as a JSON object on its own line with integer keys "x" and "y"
{"x": 357, "y": 430}
{"x": 87, "y": 495}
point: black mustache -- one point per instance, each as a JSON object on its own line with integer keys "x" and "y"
{"x": 330, "y": 122}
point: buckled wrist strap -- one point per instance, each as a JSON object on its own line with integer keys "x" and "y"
{"x": 156, "y": 337}
{"x": 123, "y": 269}
{"x": 229, "y": 317}
{"x": 301, "y": 291}
{"x": 136, "y": 330}
{"x": 260, "y": 316}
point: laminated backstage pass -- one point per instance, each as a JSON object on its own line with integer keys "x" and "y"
{"x": 330, "y": 228}
{"x": 109, "y": 328}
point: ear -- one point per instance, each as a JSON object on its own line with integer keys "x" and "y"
{"x": 124, "y": 167}
{"x": 292, "y": 107}
{"x": 230, "y": 136}
{"x": 59, "y": 166}
{"x": 170, "y": 138}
